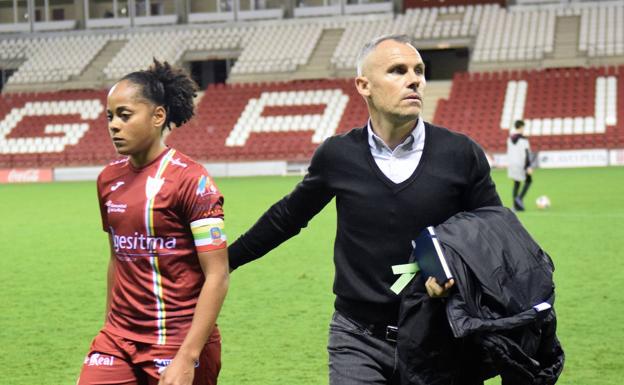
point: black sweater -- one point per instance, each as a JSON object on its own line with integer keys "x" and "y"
{"x": 377, "y": 218}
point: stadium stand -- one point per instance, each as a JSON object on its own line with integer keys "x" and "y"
{"x": 234, "y": 122}
{"x": 277, "y": 48}
{"x": 54, "y": 129}
{"x": 444, "y": 22}
{"x": 564, "y": 109}
{"x": 12, "y": 50}
{"x": 444, "y": 3}
{"x": 44, "y": 63}
{"x": 516, "y": 34}
{"x": 269, "y": 120}
{"x": 558, "y": 67}
{"x": 569, "y": 108}
{"x": 602, "y": 29}
{"x": 169, "y": 45}
{"x": 355, "y": 35}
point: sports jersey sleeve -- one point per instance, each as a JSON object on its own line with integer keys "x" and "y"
{"x": 202, "y": 208}
{"x": 102, "y": 205}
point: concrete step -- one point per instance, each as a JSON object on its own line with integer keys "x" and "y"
{"x": 564, "y": 62}
{"x": 435, "y": 90}
{"x": 319, "y": 64}
{"x": 566, "y": 38}
{"x": 95, "y": 71}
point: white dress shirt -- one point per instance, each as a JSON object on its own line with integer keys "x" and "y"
{"x": 400, "y": 163}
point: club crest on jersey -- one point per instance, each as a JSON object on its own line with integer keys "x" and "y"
{"x": 205, "y": 186}
{"x": 152, "y": 187}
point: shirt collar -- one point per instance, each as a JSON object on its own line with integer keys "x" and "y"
{"x": 412, "y": 142}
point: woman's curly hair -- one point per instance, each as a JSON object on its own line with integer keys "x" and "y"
{"x": 169, "y": 87}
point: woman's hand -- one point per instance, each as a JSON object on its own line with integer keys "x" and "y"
{"x": 180, "y": 372}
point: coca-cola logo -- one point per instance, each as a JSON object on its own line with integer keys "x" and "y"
{"x": 25, "y": 175}
{"x": 29, "y": 175}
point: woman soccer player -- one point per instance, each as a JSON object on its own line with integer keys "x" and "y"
{"x": 168, "y": 271}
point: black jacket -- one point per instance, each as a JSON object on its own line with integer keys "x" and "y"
{"x": 488, "y": 325}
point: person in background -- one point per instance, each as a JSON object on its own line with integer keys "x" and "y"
{"x": 168, "y": 272}
{"x": 519, "y": 164}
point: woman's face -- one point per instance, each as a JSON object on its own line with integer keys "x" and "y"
{"x": 134, "y": 123}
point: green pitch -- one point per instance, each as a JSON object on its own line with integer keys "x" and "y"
{"x": 274, "y": 323}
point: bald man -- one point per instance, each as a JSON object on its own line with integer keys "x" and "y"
{"x": 391, "y": 178}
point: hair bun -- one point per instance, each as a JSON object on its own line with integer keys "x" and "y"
{"x": 179, "y": 91}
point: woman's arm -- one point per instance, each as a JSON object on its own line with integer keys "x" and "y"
{"x": 182, "y": 368}
{"x": 110, "y": 278}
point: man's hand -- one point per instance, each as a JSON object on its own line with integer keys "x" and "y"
{"x": 529, "y": 171}
{"x": 436, "y": 291}
{"x": 180, "y": 372}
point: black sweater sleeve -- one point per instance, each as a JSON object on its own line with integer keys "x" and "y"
{"x": 287, "y": 217}
{"x": 481, "y": 190}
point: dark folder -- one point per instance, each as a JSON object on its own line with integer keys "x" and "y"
{"x": 428, "y": 255}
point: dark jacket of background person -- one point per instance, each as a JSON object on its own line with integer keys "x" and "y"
{"x": 376, "y": 218}
{"x": 492, "y": 328}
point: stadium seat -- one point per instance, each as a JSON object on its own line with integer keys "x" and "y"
{"x": 580, "y": 103}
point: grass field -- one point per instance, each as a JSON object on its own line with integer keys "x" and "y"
{"x": 53, "y": 256}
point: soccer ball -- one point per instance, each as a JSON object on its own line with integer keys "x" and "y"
{"x": 542, "y": 202}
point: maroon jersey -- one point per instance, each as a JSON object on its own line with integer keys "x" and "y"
{"x": 158, "y": 217}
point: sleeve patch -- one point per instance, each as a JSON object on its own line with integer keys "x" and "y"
{"x": 205, "y": 186}
{"x": 209, "y": 234}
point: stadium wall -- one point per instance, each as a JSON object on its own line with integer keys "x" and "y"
{"x": 72, "y": 174}
{"x": 545, "y": 159}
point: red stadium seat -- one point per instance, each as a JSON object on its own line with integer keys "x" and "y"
{"x": 479, "y": 98}
{"x": 475, "y": 107}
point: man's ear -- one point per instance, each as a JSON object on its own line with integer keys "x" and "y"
{"x": 159, "y": 116}
{"x": 362, "y": 85}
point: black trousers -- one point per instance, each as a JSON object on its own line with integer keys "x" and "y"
{"x": 525, "y": 188}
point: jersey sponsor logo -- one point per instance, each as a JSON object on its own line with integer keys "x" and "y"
{"x": 97, "y": 359}
{"x": 117, "y": 185}
{"x": 112, "y": 207}
{"x": 205, "y": 186}
{"x": 140, "y": 244}
{"x": 162, "y": 363}
{"x": 152, "y": 187}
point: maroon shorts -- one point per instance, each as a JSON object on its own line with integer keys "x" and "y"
{"x": 116, "y": 360}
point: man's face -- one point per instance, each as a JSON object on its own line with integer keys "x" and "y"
{"x": 393, "y": 81}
